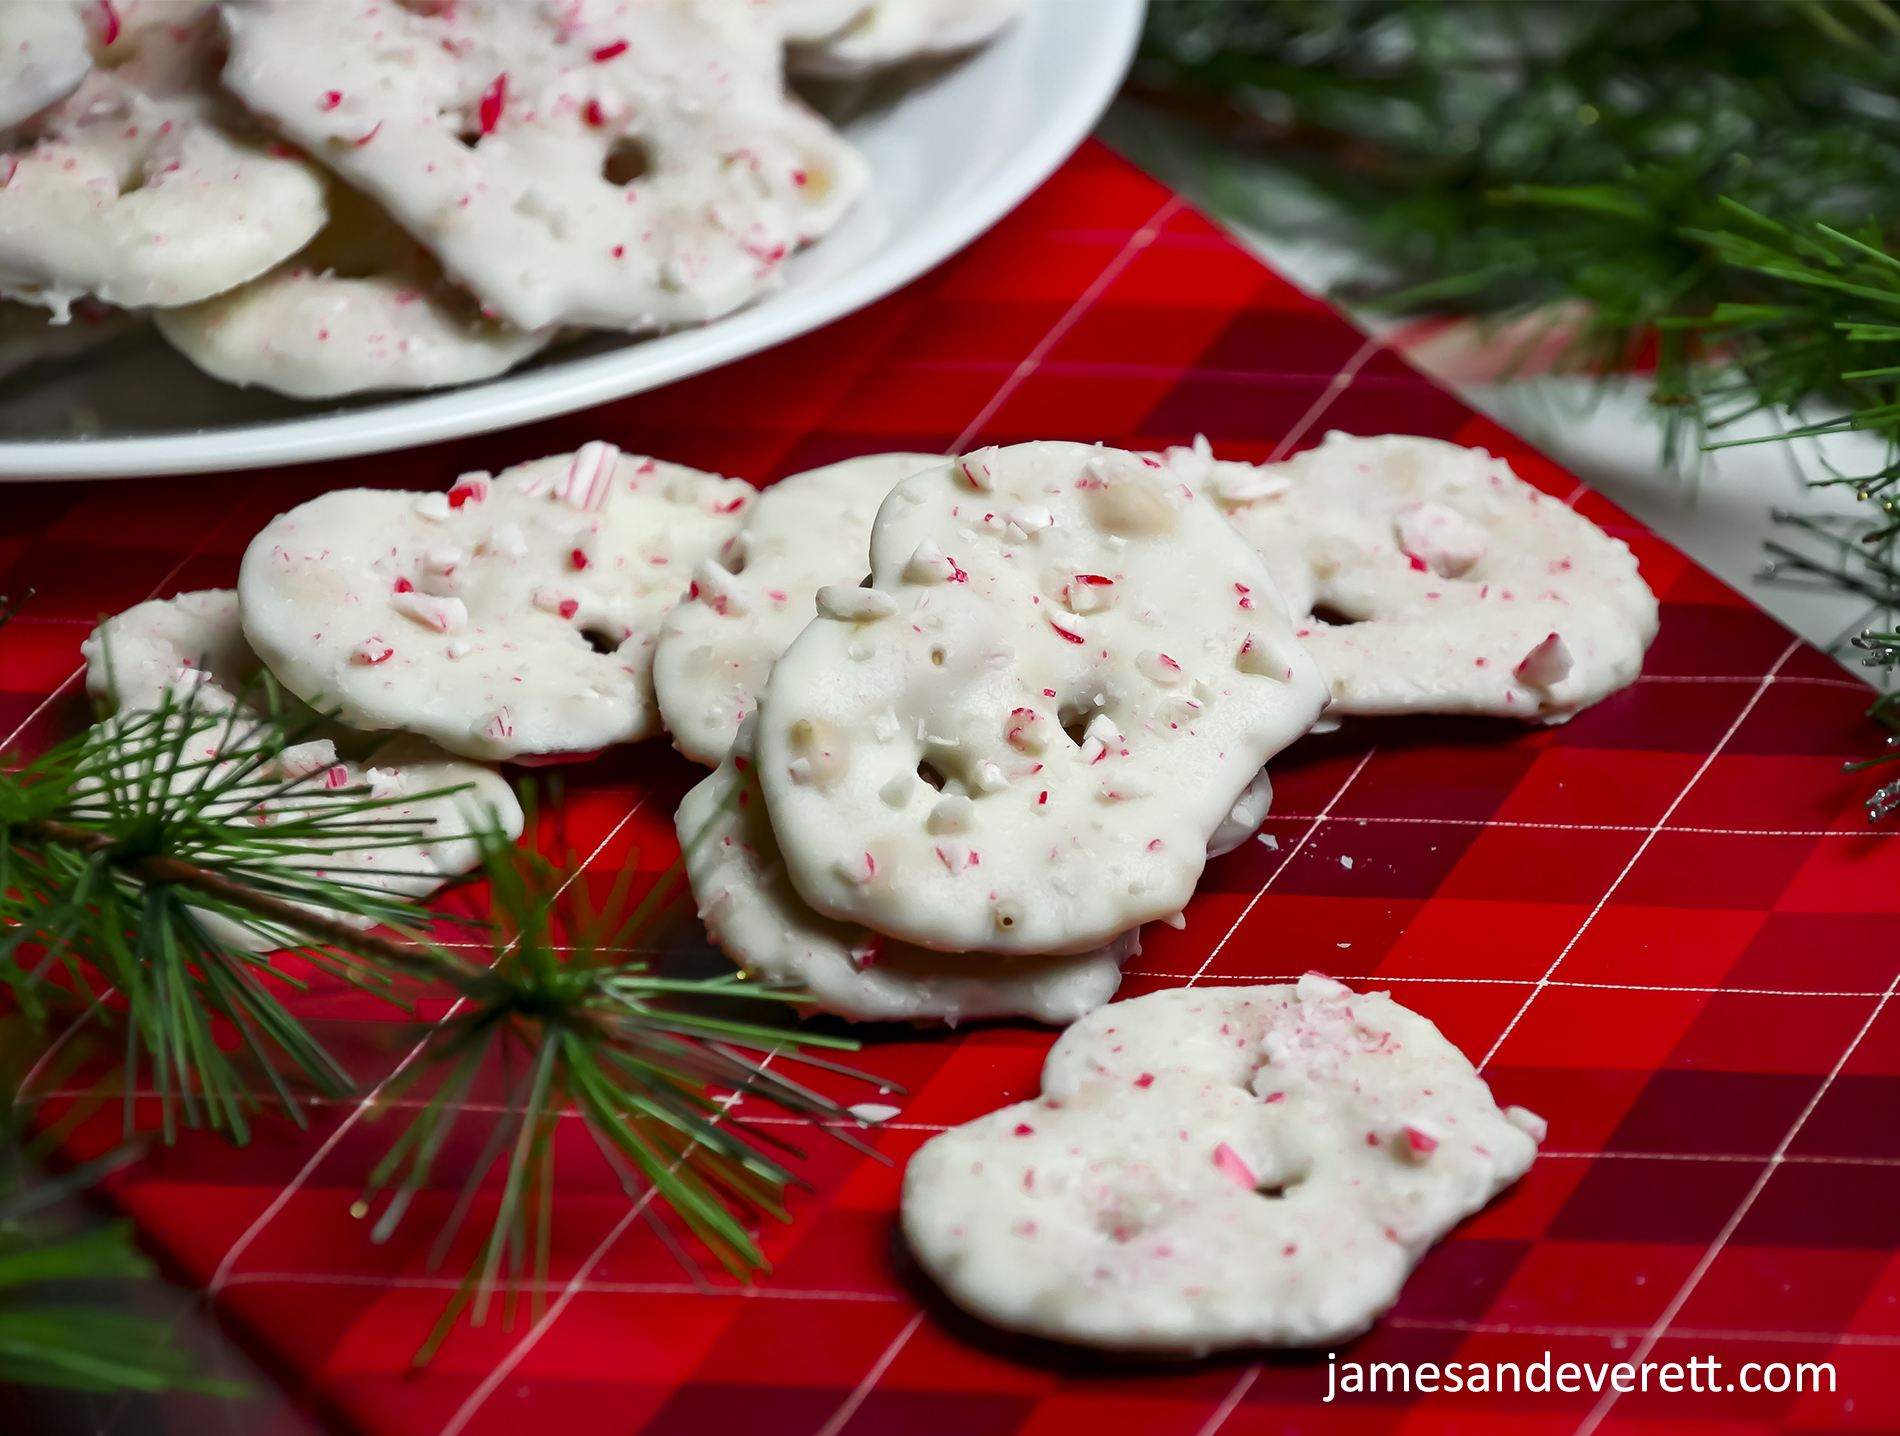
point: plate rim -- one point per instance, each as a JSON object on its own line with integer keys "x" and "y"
{"x": 435, "y": 418}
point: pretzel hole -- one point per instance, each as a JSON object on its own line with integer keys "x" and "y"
{"x": 1075, "y": 723}
{"x": 930, "y": 775}
{"x": 936, "y": 656}
{"x": 600, "y": 640}
{"x": 1327, "y": 614}
{"x": 628, "y": 159}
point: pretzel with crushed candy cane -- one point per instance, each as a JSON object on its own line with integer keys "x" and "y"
{"x": 1066, "y": 673}
{"x": 512, "y": 617}
{"x": 609, "y": 163}
{"x": 1216, "y": 1167}
{"x": 1427, "y": 577}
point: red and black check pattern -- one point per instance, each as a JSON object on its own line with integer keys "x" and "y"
{"x": 1664, "y": 925}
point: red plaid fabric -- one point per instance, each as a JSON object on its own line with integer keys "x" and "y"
{"x": 1664, "y": 925}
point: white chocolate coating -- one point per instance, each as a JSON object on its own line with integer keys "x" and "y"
{"x": 804, "y": 21}
{"x": 193, "y": 640}
{"x": 1455, "y": 572}
{"x": 1085, "y": 657}
{"x": 511, "y": 616}
{"x": 133, "y": 190}
{"x": 754, "y": 913}
{"x": 1216, "y": 1167}
{"x": 718, "y": 646}
{"x": 891, "y": 32}
{"x": 362, "y": 307}
{"x": 607, "y": 163}
{"x": 193, "y": 644}
{"x": 43, "y": 55}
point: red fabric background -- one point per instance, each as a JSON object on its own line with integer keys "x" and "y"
{"x": 1664, "y": 925}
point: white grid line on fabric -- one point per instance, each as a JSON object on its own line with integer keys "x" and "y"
{"x": 478, "y": 1398}
{"x": 80, "y": 672}
{"x": 1793, "y": 678}
{"x": 1284, "y": 862}
{"x": 1230, "y": 1401}
{"x": 1641, "y": 848}
{"x": 1347, "y": 819}
{"x": 1371, "y": 984}
{"x": 1776, "y": 1160}
{"x": 1616, "y": 1333}
{"x": 1337, "y": 385}
{"x": 842, "y": 1416}
{"x": 530, "y": 1339}
{"x": 1136, "y": 242}
{"x": 304, "y": 1173}
{"x": 391, "y": 1282}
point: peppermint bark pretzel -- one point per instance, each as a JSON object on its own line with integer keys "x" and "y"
{"x": 361, "y": 307}
{"x": 1216, "y": 1167}
{"x": 1022, "y": 737}
{"x": 895, "y": 32}
{"x": 1456, "y": 587}
{"x": 191, "y": 648}
{"x": 611, "y": 163}
{"x": 717, "y": 648}
{"x": 509, "y": 618}
{"x": 754, "y": 914}
{"x": 139, "y": 188}
{"x": 43, "y": 55}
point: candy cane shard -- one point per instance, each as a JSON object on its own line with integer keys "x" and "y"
{"x": 1210, "y": 1168}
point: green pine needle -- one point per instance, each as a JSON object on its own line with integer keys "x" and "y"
{"x": 132, "y": 860}
{"x": 651, "y": 1066}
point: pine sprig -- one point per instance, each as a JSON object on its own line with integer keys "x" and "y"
{"x": 652, "y": 1067}
{"x": 1498, "y": 156}
{"x": 63, "y": 1341}
{"x": 139, "y": 864}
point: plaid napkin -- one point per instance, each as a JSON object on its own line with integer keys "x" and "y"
{"x": 1664, "y": 925}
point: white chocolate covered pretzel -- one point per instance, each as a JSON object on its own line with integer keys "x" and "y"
{"x": 608, "y": 163}
{"x": 1022, "y": 737}
{"x": 191, "y": 642}
{"x": 43, "y": 55}
{"x": 893, "y": 32}
{"x": 134, "y": 190}
{"x": 508, "y": 617}
{"x": 362, "y": 307}
{"x": 754, "y": 913}
{"x": 718, "y": 646}
{"x": 1216, "y": 1167}
{"x": 190, "y": 649}
{"x": 1427, "y": 577}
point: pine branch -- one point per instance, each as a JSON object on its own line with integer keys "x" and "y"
{"x": 651, "y": 1066}
{"x": 115, "y": 847}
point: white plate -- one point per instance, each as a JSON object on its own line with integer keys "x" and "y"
{"x": 949, "y": 158}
